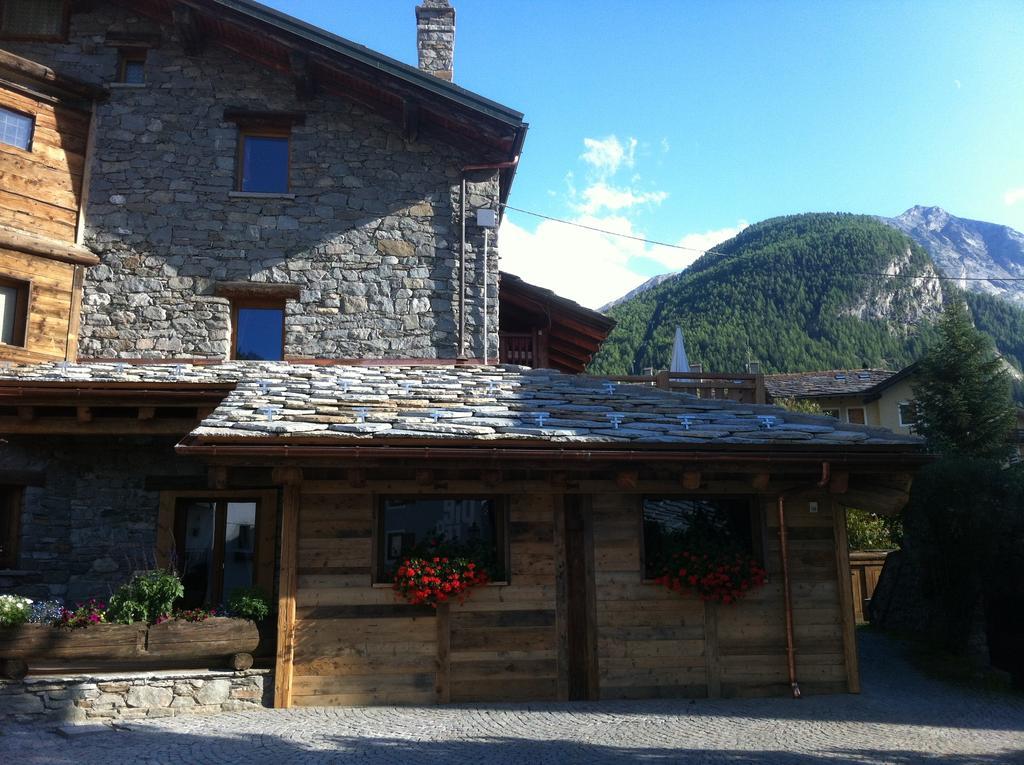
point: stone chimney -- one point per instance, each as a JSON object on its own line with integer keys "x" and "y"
{"x": 435, "y": 38}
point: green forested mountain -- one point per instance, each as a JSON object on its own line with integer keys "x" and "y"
{"x": 797, "y": 293}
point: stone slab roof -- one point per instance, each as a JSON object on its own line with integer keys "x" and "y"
{"x": 478, "y": 403}
{"x": 834, "y": 382}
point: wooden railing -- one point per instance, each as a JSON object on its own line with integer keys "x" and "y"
{"x": 865, "y": 568}
{"x": 517, "y": 348}
{"x": 746, "y": 388}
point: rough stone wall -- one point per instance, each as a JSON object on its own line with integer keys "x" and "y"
{"x": 369, "y": 229}
{"x": 133, "y": 695}
{"x": 435, "y": 38}
{"x": 93, "y": 522}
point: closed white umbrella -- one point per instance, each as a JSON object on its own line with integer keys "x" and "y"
{"x": 679, "y": 361}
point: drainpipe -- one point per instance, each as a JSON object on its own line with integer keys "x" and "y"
{"x": 787, "y": 597}
{"x": 461, "y": 356}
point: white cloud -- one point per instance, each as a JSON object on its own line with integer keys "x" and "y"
{"x": 600, "y": 196}
{"x": 590, "y": 267}
{"x": 607, "y": 155}
{"x": 1013, "y": 196}
{"x": 585, "y": 266}
{"x": 697, "y": 244}
{"x": 957, "y": 84}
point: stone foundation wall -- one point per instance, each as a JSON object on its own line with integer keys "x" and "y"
{"x": 130, "y": 696}
{"x": 368, "y": 230}
{"x": 93, "y": 521}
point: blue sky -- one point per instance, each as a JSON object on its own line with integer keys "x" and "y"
{"x": 682, "y": 121}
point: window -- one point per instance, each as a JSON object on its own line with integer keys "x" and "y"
{"x": 33, "y": 19}
{"x": 13, "y": 311}
{"x": 132, "y": 67}
{"x": 831, "y": 413}
{"x": 258, "y": 330}
{"x": 10, "y": 518}
{"x": 473, "y": 527}
{"x": 855, "y": 415}
{"x": 215, "y": 544}
{"x": 908, "y": 413}
{"x": 263, "y": 160}
{"x": 16, "y": 129}
{"x": 697, "y": 523}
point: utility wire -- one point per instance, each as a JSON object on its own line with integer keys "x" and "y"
{"x": 634, "y": 238}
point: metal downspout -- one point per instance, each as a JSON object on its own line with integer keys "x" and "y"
{"x": 787, "y": 597}
{"x": 462, "y": 351}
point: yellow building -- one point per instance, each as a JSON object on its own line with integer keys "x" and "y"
{"x": 878, "y": 397}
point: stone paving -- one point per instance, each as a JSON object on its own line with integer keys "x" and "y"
{"x": 902, "y": 717}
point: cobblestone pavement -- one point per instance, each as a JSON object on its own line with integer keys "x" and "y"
{"x": 902, "y": 717}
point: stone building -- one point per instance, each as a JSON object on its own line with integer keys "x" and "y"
{"x": 251, "y": 333}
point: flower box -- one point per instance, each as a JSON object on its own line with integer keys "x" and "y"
{"x": 214, "y": 640}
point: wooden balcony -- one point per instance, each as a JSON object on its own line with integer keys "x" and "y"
{"x": 745, "y": 388}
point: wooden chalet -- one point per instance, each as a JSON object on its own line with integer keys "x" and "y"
{"x": 246, "y": 309}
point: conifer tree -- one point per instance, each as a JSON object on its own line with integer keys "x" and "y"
{"x": 963, "y": 390}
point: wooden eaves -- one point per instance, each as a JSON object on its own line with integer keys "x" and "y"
{"x": 105, "y": 408}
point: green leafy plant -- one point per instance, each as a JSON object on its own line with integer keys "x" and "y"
{"x": 249, "y": 603}
{"x": 799, "y": 405}
{"x": 870, "y": 531}
{"x": 145, "y": 597}
{"x": 14, "y": 610}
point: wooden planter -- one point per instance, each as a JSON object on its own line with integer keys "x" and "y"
{"x": 217, "y": 639}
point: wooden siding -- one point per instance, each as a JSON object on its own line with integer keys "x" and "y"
{"x": 40, "y": 195}
{"x": 357, "y": 644}
{"x": 54, "y": 292}
{"x": 41, "y": 189}
{"x": 354, "y": 643}
{"x": 652, "y": 642}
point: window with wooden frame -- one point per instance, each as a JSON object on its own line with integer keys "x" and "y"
{"x": 14, "y": 297}
{"x": 264, "y": 159}
{"x": 855, "y": 415}
{"x": 44, "y": 20}
{"x": 10, "y": 525}
{"x": 907, "y": 413}
{"x": 16, "y": 129}
{"x": 257, "y": 329}
{"x": 217, "y": 547}
{"x": 131, "y": 66}
{"x": 699, "y": 524}
{"x": 427, "y": 526}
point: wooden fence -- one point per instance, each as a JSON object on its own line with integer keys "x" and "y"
{"x": 865, "y": 568}
{"x": 745, "y": 388}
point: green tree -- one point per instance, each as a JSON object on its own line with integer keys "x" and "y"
{"x": 963, "y": 391}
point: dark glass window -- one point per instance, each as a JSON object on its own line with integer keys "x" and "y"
{"x": 16, "y": 129}
{"x": 452, "y": 527}
{"x": 908, "y": 413}
{"x": 264, "y": 163}
{"x": 10, "y": 515}
{"x": 697, "y": 525}
{"x": 259, "y": 333}
{"x": 133, "y": 67}
{"x": 32, "y": 19}
{"x": 215, "y": 549}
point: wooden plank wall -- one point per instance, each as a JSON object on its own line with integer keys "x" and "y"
{"x": 652, "y": 642}
{"x": 357, "y": 644}
{"x": 40, "y": 195}
{"x": 51, "y": 295}
{"x": 41, "y": 190}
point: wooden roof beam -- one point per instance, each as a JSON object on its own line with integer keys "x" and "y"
{"x": 189, "y": 28}
{"x": 302, "y": 75}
